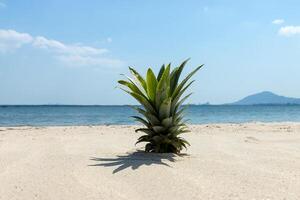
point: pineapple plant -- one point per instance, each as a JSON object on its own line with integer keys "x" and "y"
{"x": 161, "y": 111}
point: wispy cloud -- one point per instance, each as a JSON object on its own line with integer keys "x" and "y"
{"x": 289, "y": 30}
{"x": 2, "y": 5}
{"x": 59, "y": 47}
{"x": 78, "y": 60}
{"x": 11, "y": 40}
{"x": 278, "y": 21}
{"x": 69, "y": 54}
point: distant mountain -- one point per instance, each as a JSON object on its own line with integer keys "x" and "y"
{"x": 266, "y": 98}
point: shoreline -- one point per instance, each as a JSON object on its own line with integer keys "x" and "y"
{"x": 139, "y": 125}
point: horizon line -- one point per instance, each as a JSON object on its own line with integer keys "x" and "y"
{"x": 90, "y": 105}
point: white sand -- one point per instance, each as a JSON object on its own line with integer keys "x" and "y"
{"x": 225, "y": 161}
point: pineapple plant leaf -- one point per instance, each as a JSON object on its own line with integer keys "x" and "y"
{"x": 161, "y": 110}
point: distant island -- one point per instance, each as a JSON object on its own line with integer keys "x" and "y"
{"x": 267, "y": 98}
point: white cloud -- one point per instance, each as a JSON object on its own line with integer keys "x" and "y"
{"x": 59, "y": 47}
{"x": 69, "y": 54}
{"x": 278, "y": 21}
{"x": 11, "y": 40}
{"x": 2, "y": 5}
{"x": 289, "y": 30}
{"x": 78, "y": 61}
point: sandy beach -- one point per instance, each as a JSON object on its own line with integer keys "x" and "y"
{"x": 225, "y": 161}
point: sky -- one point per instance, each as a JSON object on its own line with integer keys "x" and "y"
{"x": 73, "y": 52}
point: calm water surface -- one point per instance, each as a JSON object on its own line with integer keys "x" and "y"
{"x": 99, "y": 115}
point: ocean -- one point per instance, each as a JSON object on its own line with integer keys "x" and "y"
{"x": 108, "y": 115}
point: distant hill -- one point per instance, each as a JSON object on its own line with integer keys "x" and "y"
{"x": 266, "y": 98}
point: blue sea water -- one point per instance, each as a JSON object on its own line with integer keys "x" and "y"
{"x": 99, "y": 115}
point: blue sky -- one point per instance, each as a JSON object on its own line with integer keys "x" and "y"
{"x": 72, "y": 52}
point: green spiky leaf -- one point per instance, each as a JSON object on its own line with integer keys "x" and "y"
{"x": 163, "y": 111}
{"x": 151, "y": 85}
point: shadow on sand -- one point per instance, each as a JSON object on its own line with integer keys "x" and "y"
{"x": 135, "y": 160}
